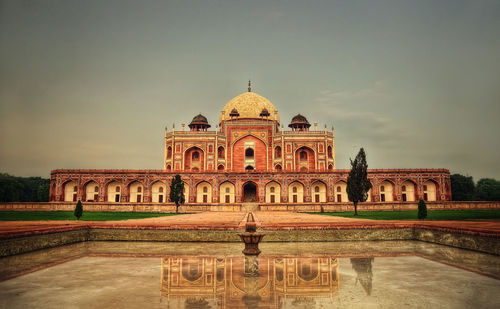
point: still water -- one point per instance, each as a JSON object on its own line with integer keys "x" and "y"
{"x": 388, "y": 274}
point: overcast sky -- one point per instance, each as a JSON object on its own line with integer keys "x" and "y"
{"x": 92, "y": 84}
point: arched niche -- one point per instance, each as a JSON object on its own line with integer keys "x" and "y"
{"x": 273, "y": 192}
{"x": 296, "y": 192}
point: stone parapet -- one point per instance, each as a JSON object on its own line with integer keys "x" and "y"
{"x": 191, "y": 208}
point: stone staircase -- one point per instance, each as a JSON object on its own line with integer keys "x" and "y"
{"x": 247, "y": 207}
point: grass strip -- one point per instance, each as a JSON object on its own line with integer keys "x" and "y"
{"x": 68, "y": 215}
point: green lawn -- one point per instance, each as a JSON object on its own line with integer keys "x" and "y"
{"x": 412, "y": 215}
{"x": 68, "y": 215}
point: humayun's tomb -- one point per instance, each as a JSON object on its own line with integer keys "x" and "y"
{"x": 248, "y": 158}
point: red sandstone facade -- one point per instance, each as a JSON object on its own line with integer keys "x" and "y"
{"x": 247, "y": 158}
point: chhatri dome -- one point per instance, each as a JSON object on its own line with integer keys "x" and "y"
{"x": 249, "y": 105}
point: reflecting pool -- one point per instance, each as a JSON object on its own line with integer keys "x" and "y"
{"x": 386, "y": 274}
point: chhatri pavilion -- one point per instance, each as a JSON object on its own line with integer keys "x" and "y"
{"x": 249, "y": 157}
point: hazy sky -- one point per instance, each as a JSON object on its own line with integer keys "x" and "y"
{"x": 92, "y": 84}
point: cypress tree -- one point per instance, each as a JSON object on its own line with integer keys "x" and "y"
{"x": 358, "y": 184}
{"x": 177, "y": 191}
{"x": 422, "y": 209}
{"x": 78, "y": 210}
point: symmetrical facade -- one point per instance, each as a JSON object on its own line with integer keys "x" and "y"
{"x": 249, "y": 157}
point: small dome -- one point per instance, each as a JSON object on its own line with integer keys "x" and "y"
{"x": 264, "y": 113}
{"x": 299, "y": 122}
{"x": 199, "y": 119}
{"x": 234, "y": 113}
{"x": 299, "y": 119}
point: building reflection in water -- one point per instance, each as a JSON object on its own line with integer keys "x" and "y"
{"x": 240, "y": 282}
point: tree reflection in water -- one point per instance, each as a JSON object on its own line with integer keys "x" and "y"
{"x": 363, "y": 269}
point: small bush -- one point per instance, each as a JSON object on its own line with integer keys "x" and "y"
{"x": 78, "y": 210}
{"x": 422, "y": 209}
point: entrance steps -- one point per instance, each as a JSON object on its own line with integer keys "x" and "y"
{"x": 247, "y": 207}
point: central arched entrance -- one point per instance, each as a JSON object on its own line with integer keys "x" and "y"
{"x": 249, "y": 192}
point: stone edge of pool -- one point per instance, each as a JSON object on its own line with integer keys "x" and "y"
{"x": 27, "y": 240}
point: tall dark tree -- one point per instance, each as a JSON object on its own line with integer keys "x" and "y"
{"x": 78, "y": 210}
{"x": 358, "y": 184}
{"x": 462, "y": 187}
{"x": 488, "y": 189}
{"x": 177, "y": 191}
{"x": 422, "y": 209}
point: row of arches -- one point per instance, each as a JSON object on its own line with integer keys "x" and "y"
{"x": 135, "y": 192}
{"x": 115, "y": 192}
{"x": 305, "y": 157}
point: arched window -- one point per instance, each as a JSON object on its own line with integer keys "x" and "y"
{"x": 117, "y": 189}
{"x": 96, "y": 189}
{"x": 382, "y": 188}
{"x": 220, "y": 167}
{"x": 205, "y": 189}
{"x": 294, "y": 189}
{"x": 139, "y": 189}
{"x": 75, "y": 188}
{"x": 210, "y": 148}
{"x": 249, "y": 153}
{"x": 330, "y": 153}
{"x": 227, "y": 189}
{"x": 277, "y": 152}
{"x": 195, "y": 156}
{"x": 160, "y": 189}
{"x": 249, "y": 168}
{"x": 403, "y": 188}
{"x": 220, "y": 152}
{"x": 278, "y": 167}
{"x": 339, "y": 189}
{"x": 271, "y": 189}
{"x": 320, "y": 147}
{"x": 316, "y": 189}
{"x": 169, "y": 152}
{"x": 303, "y": 155}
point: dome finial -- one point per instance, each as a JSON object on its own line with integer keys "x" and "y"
{"x": 249, "y": 86}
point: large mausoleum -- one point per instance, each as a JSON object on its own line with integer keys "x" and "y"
{"x": 248, "y": 157}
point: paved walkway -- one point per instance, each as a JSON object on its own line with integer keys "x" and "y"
{"x": 235, "y": 220}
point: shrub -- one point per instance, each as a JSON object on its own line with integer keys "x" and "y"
{"x": 78, "y": 210}
{"x": 422, "y": 209}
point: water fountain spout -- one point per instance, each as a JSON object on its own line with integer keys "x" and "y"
{"x": 250, "y": 237}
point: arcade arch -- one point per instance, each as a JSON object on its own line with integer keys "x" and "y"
{"x": 158, "y": 192}
{"x": 296, "y": 192}
{"x": 408, "y": 191}
{"x": 429, "y": 188}
{"x": 273, "y": 192}
{"x": 250, "y": 192}
{"x": 70, "y": 191}
{"x": 386, "y": 191}
{"x": 114, "y": 192}
{"x": 92, "y": 191}
{"x": 340, "y": 190}
{"x": 204, "y": 192}
{"x": 226, "y": 192}
{"x": 136, "y": 192}
{"x": 318, "y": 192}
